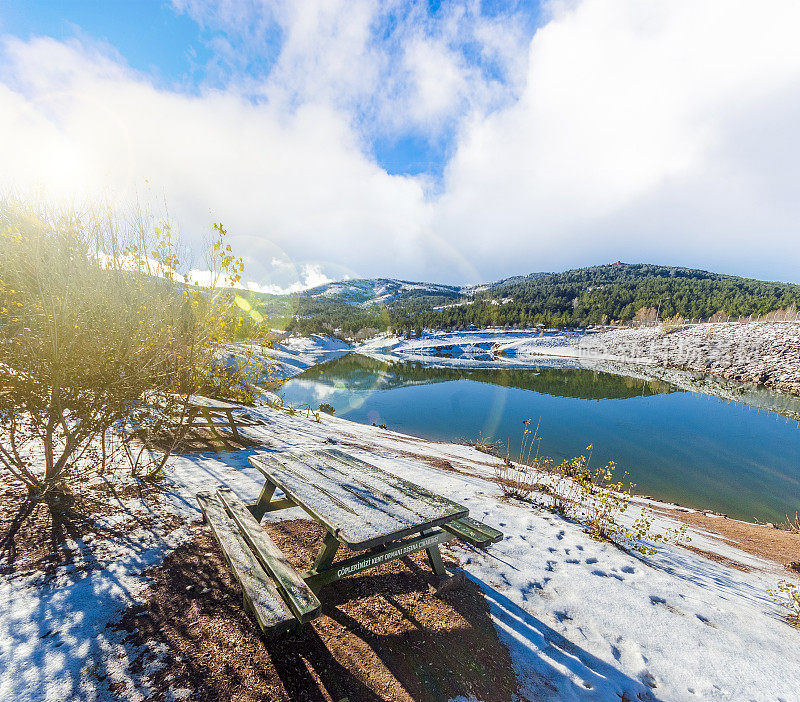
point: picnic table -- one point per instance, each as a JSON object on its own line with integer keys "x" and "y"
{"x": 377, "y": 515}
{"x": 214, "y": 414}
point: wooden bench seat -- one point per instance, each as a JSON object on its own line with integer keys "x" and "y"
{"x": 473, "y": 532}
{"x": 299, "y": 596}
{"x": 261, "y": 597}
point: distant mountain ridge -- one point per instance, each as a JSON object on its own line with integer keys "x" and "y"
{"x": 593, "y": 295}
{"x": 365, "y": 291}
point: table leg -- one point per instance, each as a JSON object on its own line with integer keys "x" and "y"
{"x": 233, "y": 424}
{"x": 330, "y": 545}
{"x": 210, "y": 421}
{"x": 259, "y": 508}
{"x": 435, "y": 557}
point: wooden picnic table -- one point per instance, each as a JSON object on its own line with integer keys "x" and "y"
{"x": 358, "y": 504}
{"x": 212, "y": 411}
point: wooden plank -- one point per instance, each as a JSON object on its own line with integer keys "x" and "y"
{"x": 473, "y": 532}
{"x": 388, "y": 489}
{"x": 494, "y": 535}
{"x": 313, "y": 499}
{"x": 210, "y": 403}
{"x": 260, "y": 594}
{"x": 374, "y": 473}
{"x": 362, "y": 507}
{"x": 301, "y": 600}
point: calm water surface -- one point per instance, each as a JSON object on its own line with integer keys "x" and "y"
{"x": 693, "y": 449}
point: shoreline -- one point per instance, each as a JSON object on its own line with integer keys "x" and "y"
{"x": 765, "y": 354}
{"x": 392, "y": 349}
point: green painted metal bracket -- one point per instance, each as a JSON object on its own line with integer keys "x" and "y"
{"x": 316, "y": 579}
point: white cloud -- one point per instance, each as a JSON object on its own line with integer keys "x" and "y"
{"x": 641, "y": 134}
{"x": 296, "y": 182}
{"x": 311, "y": 276}
{"x": 634, "y": 129}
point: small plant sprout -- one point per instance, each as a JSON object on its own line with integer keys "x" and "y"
{"x": 786, "y": 594}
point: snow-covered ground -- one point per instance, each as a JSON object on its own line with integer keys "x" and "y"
{"x": 476, "y": 349}
{"x": 294, "y": 354}
{"x": 767, "y": 353}
{"x": 583, "y": 619}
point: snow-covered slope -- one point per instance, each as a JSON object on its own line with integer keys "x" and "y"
{"x": 379, "y": 291}
{"x": 582, "y": 619}
{"x": 293, "y": 354}
{"x": 371, "y": 291}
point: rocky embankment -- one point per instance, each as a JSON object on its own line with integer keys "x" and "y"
{"x": 767, "y": 353}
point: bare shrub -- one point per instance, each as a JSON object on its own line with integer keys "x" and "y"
{"x": 591, "y": 496}
{"x": 519, "y": 480}
{"x": 102, "y": 341}
{"x": 594, "y": 497}
{"x": 484, "y": 445}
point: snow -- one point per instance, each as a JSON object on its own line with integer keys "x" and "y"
{"x": 373, "y": 291}
{"x": 583, "y": 619}
{"x": 481, "y": 348}
{"x": 294, "y": 354}
{"x": 54, "y": 644}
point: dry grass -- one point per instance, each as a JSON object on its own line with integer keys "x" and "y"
{"x": 791, "y": 525}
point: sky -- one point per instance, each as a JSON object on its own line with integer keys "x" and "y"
{"x": 454, "y": 142}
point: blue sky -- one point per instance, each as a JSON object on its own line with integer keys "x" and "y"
{"x": 459, "y": 142}
{"x": 175, "y": 47}
{"x": 150, "y": 35}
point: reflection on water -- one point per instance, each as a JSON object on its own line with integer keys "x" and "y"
{"x": 694, "y": 449}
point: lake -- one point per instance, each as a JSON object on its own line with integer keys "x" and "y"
{"x": 693, "y": 449}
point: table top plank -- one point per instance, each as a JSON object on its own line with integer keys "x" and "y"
{"x": 377, "y": 476}
{"x": 401, "y": 505}
{"x": 352, "y": 511}
{"x": 386, "y": 488}
{"x": 362, "y": 505}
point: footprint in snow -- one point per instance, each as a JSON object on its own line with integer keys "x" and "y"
{"x": 706, "y": 621}
{"x": 656, "y": 600}
{"x": 560, "y": 534}
{"x": 591, "y": 561}
{"x": 628, "y": 569}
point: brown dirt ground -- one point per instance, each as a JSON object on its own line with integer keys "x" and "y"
{"x": 776, "y": 545}
{"x": 382, "y": 635}
{"x": 38, "y": 544}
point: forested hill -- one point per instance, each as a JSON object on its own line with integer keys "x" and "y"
{"x": 616, "y": 292}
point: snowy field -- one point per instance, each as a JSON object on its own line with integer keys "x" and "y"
{"x": 583, "y": 619}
